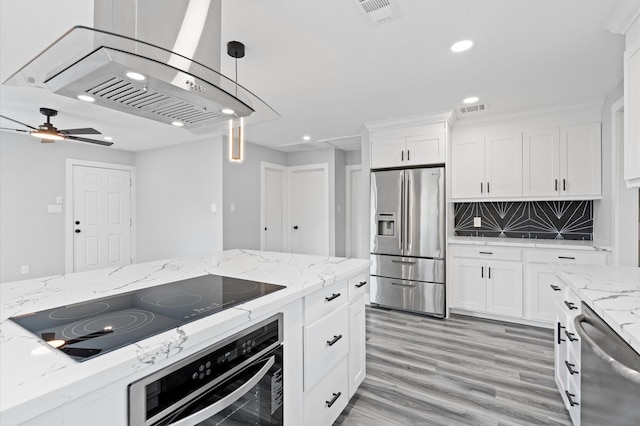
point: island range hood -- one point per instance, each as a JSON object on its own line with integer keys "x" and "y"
{"x": 169, "y": 80}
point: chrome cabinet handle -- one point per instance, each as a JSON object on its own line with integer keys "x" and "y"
{"x": 361, "y": 284}
{"x": 334, "y": 399}
{"x": 555, "y": 287}
{"x": 334, "y": 340}
{"x": 333, "y": 296}
{"x": 614, "y": 364}
{"x": 570, "y": 397}
{"x": 570, "y": 368}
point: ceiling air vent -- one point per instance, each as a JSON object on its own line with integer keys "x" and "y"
{"x": 378, "y": 11}
{"x": 473, "y": 108}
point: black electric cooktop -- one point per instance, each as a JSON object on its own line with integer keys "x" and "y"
{"x": 86, "y": 330}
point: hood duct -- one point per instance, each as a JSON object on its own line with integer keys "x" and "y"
{"x": 176, "y": 86}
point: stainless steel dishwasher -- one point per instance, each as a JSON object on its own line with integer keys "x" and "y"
{"x": 610, "y": 386}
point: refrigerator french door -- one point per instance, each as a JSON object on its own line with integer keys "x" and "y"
{"x": 407, "y": 239}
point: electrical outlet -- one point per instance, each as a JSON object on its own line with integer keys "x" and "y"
{"x": 24, "y": 269}
{"x": 233, "y": 207}
{"x": 214, "y": 208}
{"x": 477, "y": 222}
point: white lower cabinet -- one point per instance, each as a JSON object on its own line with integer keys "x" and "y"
{"x": 334, "y": 348}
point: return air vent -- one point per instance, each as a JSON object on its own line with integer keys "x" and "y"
{"x": 473, "y": 108}
{"x": 378, "y": 11}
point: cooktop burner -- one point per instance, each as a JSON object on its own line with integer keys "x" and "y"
{"x": 95, "y": 327}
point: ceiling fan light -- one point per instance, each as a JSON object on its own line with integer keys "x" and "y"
{"x": 86, "y": 98}
{"x": 47, "y": 136}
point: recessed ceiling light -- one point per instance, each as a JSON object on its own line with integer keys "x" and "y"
{"x": 177, "y": 123}
{"x": 136, "y": 76}
{"x": 108, "y": 138}
{"x": 227, "y": 111}
{"x": 471, "y": 100}
{"x": 86, "y": 98}
{"x": 461, "y": 46}
{"x": 306, "y": 138}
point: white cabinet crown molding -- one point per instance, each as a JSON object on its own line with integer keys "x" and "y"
{"x": 413, "y": 120}
{"x": 623, "y": 16}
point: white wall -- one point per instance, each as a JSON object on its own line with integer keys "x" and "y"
{"x": 32, "y": 175}
{"x": 340, "y": 202}
{"x": 241, "y": 187}
{"x": 353, "y": 157}
{"x": 176, "y": 187}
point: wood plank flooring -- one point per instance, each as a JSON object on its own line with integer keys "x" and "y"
{"x": 458, "y": 371}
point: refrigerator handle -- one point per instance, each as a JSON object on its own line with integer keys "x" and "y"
{"x": 626, "y": 372}
{"x": 401, "y": 231}
{"x": 407, "y": 211}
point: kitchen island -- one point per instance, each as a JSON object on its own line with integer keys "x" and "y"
{"x": 40, "y": 382}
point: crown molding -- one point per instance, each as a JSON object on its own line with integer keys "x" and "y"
{"x": 413, "y": 120}
{"x": 623, "y": 16}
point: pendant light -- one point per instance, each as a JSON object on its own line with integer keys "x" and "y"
{"x": 235, "y": 49}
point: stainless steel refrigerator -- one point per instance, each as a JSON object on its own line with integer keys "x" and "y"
{"x": 408, "y": 240}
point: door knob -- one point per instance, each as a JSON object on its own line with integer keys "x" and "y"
{"x": 295, "y": 227}
{"x": 77, "y": 222}
{"x": 78, "y": 231}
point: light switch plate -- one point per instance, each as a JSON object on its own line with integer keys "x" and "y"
{"x": 24, "y": 269}
{"x": 477, "y": 222}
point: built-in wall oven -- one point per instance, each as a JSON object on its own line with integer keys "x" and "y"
{"x": 238, "y": 381}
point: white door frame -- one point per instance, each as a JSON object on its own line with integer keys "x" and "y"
{"x": 264, "y": 166}
{"x": 350, "y": 250}
{"x": 325, "y": 168}
{"x": 68, "y": 217}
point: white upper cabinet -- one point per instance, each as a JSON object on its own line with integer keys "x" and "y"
{"x": 413, "y": 141}
{"x": 487, "y": 166}
{"x": 562, "y": 162}
{"x": 632, "y": 106}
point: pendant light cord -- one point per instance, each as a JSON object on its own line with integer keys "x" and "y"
{"x": 236, "y": 77}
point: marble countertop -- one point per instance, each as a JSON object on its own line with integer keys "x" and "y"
{"x": 38, "y": 377}
{"x": 612, "y": 292}
{"x": 528, "y": 243}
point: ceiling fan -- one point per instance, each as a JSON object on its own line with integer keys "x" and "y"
{"x": 48, "y": 133}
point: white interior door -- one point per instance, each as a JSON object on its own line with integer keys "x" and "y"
{"x": 308, "y": 198}
{"x": 101, "y": 217}
{"x": 272, "y": 201}
{"x": 353, "y": 212}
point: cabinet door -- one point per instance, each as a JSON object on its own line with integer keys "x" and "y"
{"x": 541, "y": 162}
{"x": 357, "y": 345}
{"x": 580, "y": 169}
{"x": 468, "y": 168}
{"x": 425, "y": 149}
{"x": 387, "y": 153}
{"x": 632, "y": 112}
{"x": 540, "y": 297}
{"x": 469, "y": 284}
{"x": 503, "y": 165}
{"x": 504, "y": 288}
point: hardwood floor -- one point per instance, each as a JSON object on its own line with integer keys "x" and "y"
{"x": 458, "y": 371}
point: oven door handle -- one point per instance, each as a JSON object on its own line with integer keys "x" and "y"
{"x": 626, "y": 372}
{"x": 211, "y": 410}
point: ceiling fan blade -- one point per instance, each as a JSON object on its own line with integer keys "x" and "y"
{"x": 83, "y": 131}
{"x": 75, "y": 138}
{"x": 16, "y": 121}
{"x": 15, "y": 130}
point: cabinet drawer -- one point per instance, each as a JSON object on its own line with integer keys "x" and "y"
{"x": 581, "y": 257}
{"x": 324, "y": 301}
{"x": 489, "y": 253}
{"x": 326, "y": 342}
{"x": 324, "y": 403}
{"x": 358, "y": 286}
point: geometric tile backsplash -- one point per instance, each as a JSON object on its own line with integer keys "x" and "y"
{"x": 559, "y": 220}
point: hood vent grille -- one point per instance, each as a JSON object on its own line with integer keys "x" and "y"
{"x": 378, "y": 11}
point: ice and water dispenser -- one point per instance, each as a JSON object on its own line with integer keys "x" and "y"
{"x": 386, "y": 224}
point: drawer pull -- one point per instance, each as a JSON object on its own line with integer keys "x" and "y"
{"x": 362, "y": 283}
{"x": 403, "y": 285}
{"x": 570, "y": 397}
{"x": 408, "y": 262}
{"x": 335, "y": 339}
{"x": 570, "y": 368}
{"x": 567, "y": 257}
{"x": 559, "y": 328}
{"x": 334, "y": 399}
{"x": 570, "y": 305}
{"x": 485, "y": 252}
{"x": 333, "y": 296}
{"x": 555, "y": 287}
{"x": 572, "y": 336}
